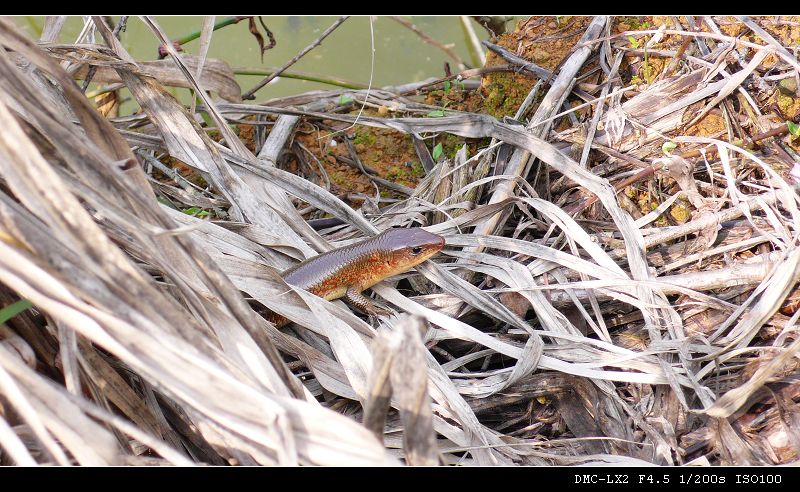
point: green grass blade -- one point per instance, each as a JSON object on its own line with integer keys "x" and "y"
{"x": 9, "y": 312}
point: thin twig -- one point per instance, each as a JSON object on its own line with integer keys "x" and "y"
{"x": 452, "y": 54}
{"x": 296, "y": 74}
{"x": 251, "y": 93}
{"x": 121, "y": 25}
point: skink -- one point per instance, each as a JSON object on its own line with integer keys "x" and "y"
{"x": 347, "y": 271}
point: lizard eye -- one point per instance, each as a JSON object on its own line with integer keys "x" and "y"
{"x": 416, "y": 250}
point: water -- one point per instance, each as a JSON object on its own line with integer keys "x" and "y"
{"x": 400, "y": 55}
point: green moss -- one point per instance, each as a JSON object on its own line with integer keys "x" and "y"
{"x": 364, "y": 138}
{"x": 417, "y": 170}
{"x": 338, "y": 178}
{"x": 505, "y": 92}
{"x": 450, "y": 145}
{"x": 393, "y": 173}
{"x": 404, "y": 172}
{"x": 661, "y": 222}
{"x": 680, "y": 212}
{"x": 785, "y": 102}
{"x": 496, "y": 100}
{"x": 634, "y": 23}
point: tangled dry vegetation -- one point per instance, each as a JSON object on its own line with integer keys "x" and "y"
{"x": 618, "y": 284}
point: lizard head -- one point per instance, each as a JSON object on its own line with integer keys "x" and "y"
{"x": 408, "y": 248}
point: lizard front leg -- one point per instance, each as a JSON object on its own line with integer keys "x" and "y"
{"x": 356, "y": 298}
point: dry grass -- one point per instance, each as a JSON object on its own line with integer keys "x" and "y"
{"x": 600, "y": 299}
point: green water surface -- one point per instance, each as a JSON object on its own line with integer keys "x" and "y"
{"x": 401, "y": 56}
